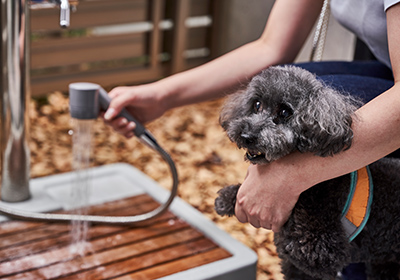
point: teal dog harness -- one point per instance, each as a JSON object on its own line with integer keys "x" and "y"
{"x": 359, "y": 200}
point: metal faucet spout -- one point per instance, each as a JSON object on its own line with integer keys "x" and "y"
{"x": 64, "y": 13}
{"x": 65, "y": 8}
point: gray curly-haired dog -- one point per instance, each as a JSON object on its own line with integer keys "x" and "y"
{"x": 287, "y": 109}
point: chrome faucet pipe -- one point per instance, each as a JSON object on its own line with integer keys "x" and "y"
{"x": 15, "y": 94}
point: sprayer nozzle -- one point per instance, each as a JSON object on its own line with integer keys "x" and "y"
{"x": 84, "y": 100}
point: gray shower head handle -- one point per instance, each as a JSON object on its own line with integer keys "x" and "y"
{"x": 86, "y": 99}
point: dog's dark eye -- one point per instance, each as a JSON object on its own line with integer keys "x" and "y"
{"x": 283, "y": 114}
{"x": 257, "y": 107}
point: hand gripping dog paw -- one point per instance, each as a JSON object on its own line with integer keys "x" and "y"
{"x": 287, "y": 109}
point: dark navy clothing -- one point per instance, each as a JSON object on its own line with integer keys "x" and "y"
{"x": 365, "y": 79}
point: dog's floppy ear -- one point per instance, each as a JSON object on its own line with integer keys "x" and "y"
{"x": 324, "y": 122}
{"x": 229, "y": 111}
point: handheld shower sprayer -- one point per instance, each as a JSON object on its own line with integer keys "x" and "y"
{"x": 86, "y": 99}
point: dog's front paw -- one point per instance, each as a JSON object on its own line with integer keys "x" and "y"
{"x": 225, "y": 202}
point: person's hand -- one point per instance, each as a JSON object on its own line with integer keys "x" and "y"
{"x": 267, "y": 196}
{"x": 143, "y": 102}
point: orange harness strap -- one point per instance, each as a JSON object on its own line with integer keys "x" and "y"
{"x": 358, "y": 206}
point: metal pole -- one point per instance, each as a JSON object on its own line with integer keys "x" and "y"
{"x": 15, "y": 93}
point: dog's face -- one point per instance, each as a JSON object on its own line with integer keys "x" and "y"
{"x": 285, "y": 109}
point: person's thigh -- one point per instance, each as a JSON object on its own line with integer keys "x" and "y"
{"x": 364, "y": 87}
{"x": 371, "y": 68}
{"x": 365, "y": 80}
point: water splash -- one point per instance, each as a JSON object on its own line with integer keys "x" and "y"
{"x": 81, "y": 185}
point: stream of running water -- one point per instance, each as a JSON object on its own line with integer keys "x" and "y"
{"x": 81, "y": 182}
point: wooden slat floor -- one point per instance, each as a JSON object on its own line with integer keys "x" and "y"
{"x": 154, "y": 249}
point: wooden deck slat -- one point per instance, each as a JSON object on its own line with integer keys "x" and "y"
{"x": 110, "y": 257}
{"x": 54, "y": 241}
{"x": 145, "y": 261}
{"x": 179, "y": 265}
{"x": 13, "y": 227}
{"x": 32, "y": 235}
{"x": 42, "y": 237}
{"x": 48, "y": 230}
{"x": 61, "y": 262}
{"x": 161, "y": 247}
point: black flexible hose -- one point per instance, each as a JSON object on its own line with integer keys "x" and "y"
{"x": 27, "y": 215}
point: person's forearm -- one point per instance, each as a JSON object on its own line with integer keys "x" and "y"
{"x": 288, "y": 27}
{"x": 376, "y": 134}
{"x": 218, "y": 77}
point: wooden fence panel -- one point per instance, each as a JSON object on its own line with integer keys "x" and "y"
{"x": 114, "y": 42}
{"x": 69, "y": 51}
{"x": 92, "y": 13}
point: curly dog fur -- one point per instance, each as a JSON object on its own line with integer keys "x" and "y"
{"x": 287, "y": 109}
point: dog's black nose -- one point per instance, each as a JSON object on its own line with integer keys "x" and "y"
{"x": 248, "y": 139}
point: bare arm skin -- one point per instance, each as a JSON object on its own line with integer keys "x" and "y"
{"x": 288, "y": 26}
{"x": 270, "y": 192}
